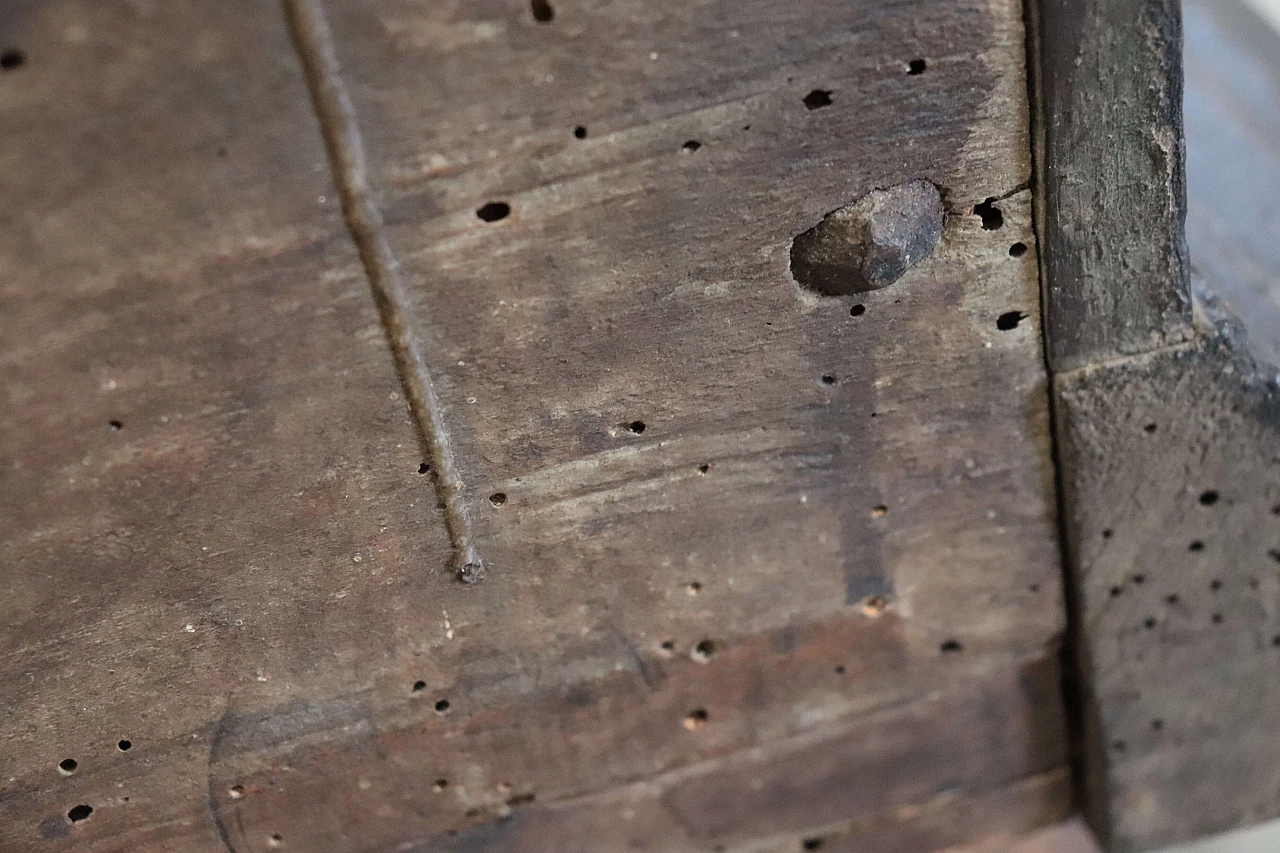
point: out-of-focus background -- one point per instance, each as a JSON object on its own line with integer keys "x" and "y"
{"x": 1233, "y": 160}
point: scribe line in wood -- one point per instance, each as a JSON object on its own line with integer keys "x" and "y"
{"x": 314, "y": 43}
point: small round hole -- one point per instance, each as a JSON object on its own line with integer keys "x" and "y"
{"x": 235, "y": 792}
{"x": 840, "y": 669}
{"x": 419, "y": 686}
{"x": 275, "y": 840}
{"x": 498, "y": 498}
{"x": 1116, "y": 591}
{"x": 879, "y": 511}
{"x": 696, "y": 719}
{"x": 542, "y": 11}
{"x": 857, "y": 310}
{"x": 1149, "y": 429}
{"x": 67, "y": 766}
{"x": 667, "y": 646}
{"x": 423, "y": 468}
{"x": 817, "y": 99}
{"x": 494, "y": 211}
{"x": 1217, "y": 618}
{"x": 916, "y": 66}
{"x": 125, "y": 745}
{"x": 1017, "y": 250}
{"x": 1139, "y": 578}
{"x": 440, "y": 785}
{"x": 116, "y": 426}
{"x": 1149, "y": 623}
{"x": 442, "y": 706}
{"x": 1208, "y": 497}
{"x": 828, "y": 379}
{"x": 703, "y": 651}
{"x": 1009, "y": 320}
{"x": 635, "y": 427}
{"x": 12, "y": 59}
{"x": 691, "y": 146}
{"x": 951, "y": 647}
{"x": 580, "y": 132}
{"x": 1108, "y": 533}
{"x": 693, "y": 588}
{"x": 1215, "y": 584}
{"x": 79, "y": 813}
{"x": 1197, "y": 545}
{"x": 704, "y": 468}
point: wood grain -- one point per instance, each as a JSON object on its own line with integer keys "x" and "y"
{"x": 761, "y": 566}
{"x": 1112, "y": 188}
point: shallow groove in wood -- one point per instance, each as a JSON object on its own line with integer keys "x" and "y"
{"x": 314, "y": 43}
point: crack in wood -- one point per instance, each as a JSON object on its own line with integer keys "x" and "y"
{"x": 332, "y": 102}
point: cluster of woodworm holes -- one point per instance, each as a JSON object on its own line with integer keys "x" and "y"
{"x": 992, "y": 219}
{"x": 68, "y": 767}
{"x": 991, "y": 215}
{"x": 495, "y": 211}
{"x": 1207, "y": 499}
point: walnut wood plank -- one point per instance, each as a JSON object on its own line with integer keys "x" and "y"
{"x": 762, "y": 567}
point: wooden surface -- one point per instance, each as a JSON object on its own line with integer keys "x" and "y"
{"x": 1168, "y": 447}
{"x": 761, "y": 567}
{"x": 1112, "y": 188}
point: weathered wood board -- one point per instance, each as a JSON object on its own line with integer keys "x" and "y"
{"x": 1169, "y": 444}
{"x": 763, "y": 569}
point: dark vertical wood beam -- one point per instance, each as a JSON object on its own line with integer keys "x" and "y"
{"x": 1167, "y": 443}
{"x": 1113, "y": 193}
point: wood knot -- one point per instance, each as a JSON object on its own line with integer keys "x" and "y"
{"x": 870, "y": 243}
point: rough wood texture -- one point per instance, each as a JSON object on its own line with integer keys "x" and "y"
{"x": 1169, "y": 451}
{"x": 1112, "y": 193}
{"x": 762, "y": 567}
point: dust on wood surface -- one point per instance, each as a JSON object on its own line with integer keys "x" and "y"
{"x": 760, "y": 565}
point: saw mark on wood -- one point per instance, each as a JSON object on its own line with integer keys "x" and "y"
{"x": 314, "y": 43}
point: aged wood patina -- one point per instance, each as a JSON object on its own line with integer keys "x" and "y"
{"x": 312, "y": 311}
{"x": 1169, "y": 443}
